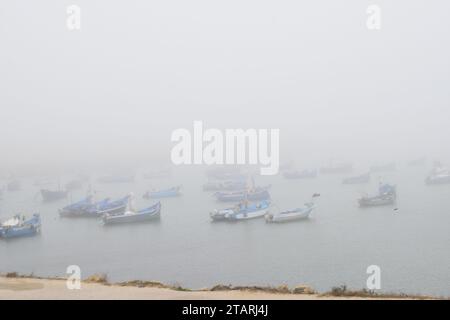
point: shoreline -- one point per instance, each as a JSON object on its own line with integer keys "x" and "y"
{"x": 17, "y": 287}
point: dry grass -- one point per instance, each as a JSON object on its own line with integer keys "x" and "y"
{"x": 343, "y": 291}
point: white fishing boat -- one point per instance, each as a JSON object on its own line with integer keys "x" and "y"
{"x": 292, "y": 215}
{"x": 131, "y": 216}
{"x": 242, "y": 211}
{"x": 439, "y": 175}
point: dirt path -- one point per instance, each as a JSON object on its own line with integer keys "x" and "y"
{"x": 29, "y": 288}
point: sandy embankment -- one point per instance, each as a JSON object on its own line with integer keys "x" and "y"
{"x": 31, "y": 288}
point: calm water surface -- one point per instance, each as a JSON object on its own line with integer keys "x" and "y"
{"x": 334, "y": 247}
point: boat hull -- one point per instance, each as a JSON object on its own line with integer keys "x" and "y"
{"x": 376, "y": 201}
{"x": 151, "y": 214}
{"x": 299, "y": 214}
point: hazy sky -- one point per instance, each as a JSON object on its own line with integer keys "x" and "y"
{"x": 139, "y": 69}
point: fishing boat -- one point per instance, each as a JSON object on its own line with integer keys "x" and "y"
{"x": 19, "y": 226}
{"x": 88, "y": 208}
{"x": 231, "y": 185}
{"x": 387, "y": 195}
{"x": 242, "y": 211}
{"x": 131, "y": 216}
{"x": 292, "y": 215}
{"x": 255, "y": 194}
{"x": 337, "y": 169}
{"x": 364, "y": 178}
{"x": 165, "y": 193}
{"x": 49, "y": 195}
{"x": 439, "y": 175}
{"x": 383, "y": 168}
{"x": 305, "y": 174}
{"x": 109, "y": 207}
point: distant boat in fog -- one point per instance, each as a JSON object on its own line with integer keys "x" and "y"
{"x": 387, "y": 195}
{"x": 254, "y": 194}
{"x": 51, "y": 195}
{"x": 364, "y": 178}
{"x": 337, "y": 169}
{"x": 439, "y": 175}
{"x": 383, "y": 168}
{"x": 164, "y": 193}
{"x": 116, "y": 179}
{"x": 305, "y": 174}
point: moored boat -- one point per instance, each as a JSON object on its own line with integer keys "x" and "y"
{"x": 164, "y": 193}
{"x": 439, "y": 175}
{"x": 254, "y": 194}
{"x": 131, "y": 216}
{"x": 242, "y": 211}
{"x": 292, "y": 215}
{"x": 387, "y": 195}
{"x": 88, "y": 208}
{"x": 19, "y": 226}
{"x": 108, "y": 207}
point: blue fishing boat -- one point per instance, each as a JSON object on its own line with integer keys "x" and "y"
{"x": 19, "y": 226}
{"x": 387, "y": 195}
{"x": 77, "y": 208}
{"x": 242, "y": 211}
{"x": 88, "y": 208}
{"x": 109, "y": 207}
{"x": 131, "y": 216}
{"x": 165, "y": 193}
{"x": 255, "y": 194}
